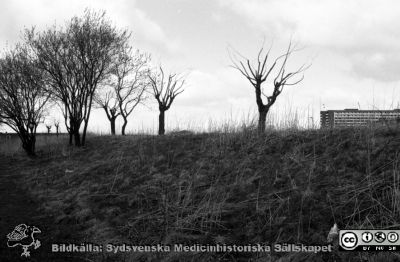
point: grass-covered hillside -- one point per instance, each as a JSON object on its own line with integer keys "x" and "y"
{"x": 239, "y": 188}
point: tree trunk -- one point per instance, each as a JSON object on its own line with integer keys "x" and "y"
{"x": 77, "y": 138}
{"x": 28, "y": 144}
{"x": 84, "y": 132}
{"x": 261, "y": 121}
{"x": 124, "y": 125}
{"x": 70, "y": 131}
{"x": 112, "y": 122}
{"x": 86, "y": 119}
{"x": 161, "y": 123}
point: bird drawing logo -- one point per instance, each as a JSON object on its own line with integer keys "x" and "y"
{"x": 23, "y": 236}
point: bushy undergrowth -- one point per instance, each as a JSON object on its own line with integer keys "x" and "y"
{"x": 231, "y": 188}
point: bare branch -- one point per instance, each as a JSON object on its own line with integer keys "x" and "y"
{"x": 257, "y": 74}
{"x": 165, "y": 91}
{"x": 77, "y": 60}
{"x": 23, "y": 94}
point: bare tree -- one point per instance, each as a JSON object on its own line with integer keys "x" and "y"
{"x": 48, "y": 129}
{"x": 130, "y": 81}
{"x": 57, "y": 126}
{"x": 165, "y": 90}
{"x": 257, "y": 74}
{"x": 77, "y": 59}
{"x": 22, "y": 95}
{"x": 107, "y": 101}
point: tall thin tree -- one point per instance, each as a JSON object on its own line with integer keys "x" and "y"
{"x": 259, "y": 72}
{"x": 130, "y": 81}
{"x": 165, "y": 90}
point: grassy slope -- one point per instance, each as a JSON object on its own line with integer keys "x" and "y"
{"x": 223, "y": 188}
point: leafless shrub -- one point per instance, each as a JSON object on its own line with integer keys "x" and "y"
{"x": 22, "y": 95}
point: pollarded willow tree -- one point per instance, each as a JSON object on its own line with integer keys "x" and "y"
{"x": 22, "y": 95}
{"x": 56, "y": 123}
{"x": 77, "y": 59}
{"x": 106, "y": 100}
{"x": 126, "y": 87}
{"x": 129, "y": 81}
{"x": 259, "y": 72}
{"x": 165, "y": 90}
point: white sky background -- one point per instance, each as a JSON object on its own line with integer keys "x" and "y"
{"x": 354, "y": 48}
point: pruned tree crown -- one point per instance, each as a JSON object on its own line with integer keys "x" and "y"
{"x": 166, "y": 89}
{"x": 257, "y": 73}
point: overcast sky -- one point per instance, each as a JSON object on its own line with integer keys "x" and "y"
{"x": 353, "y": 47}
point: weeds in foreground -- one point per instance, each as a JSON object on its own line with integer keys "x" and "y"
{"x": 225, "y": 188}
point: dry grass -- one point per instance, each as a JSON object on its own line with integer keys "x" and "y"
{"x": 10, "y": 144}
{"x": 233, "y": 187}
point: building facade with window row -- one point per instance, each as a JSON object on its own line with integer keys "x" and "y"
{"x": 355, "y": 117}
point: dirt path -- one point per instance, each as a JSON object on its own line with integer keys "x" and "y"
{"x": 16, "y": 207}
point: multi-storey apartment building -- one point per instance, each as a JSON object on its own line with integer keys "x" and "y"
{"x": 355, "y": 117}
